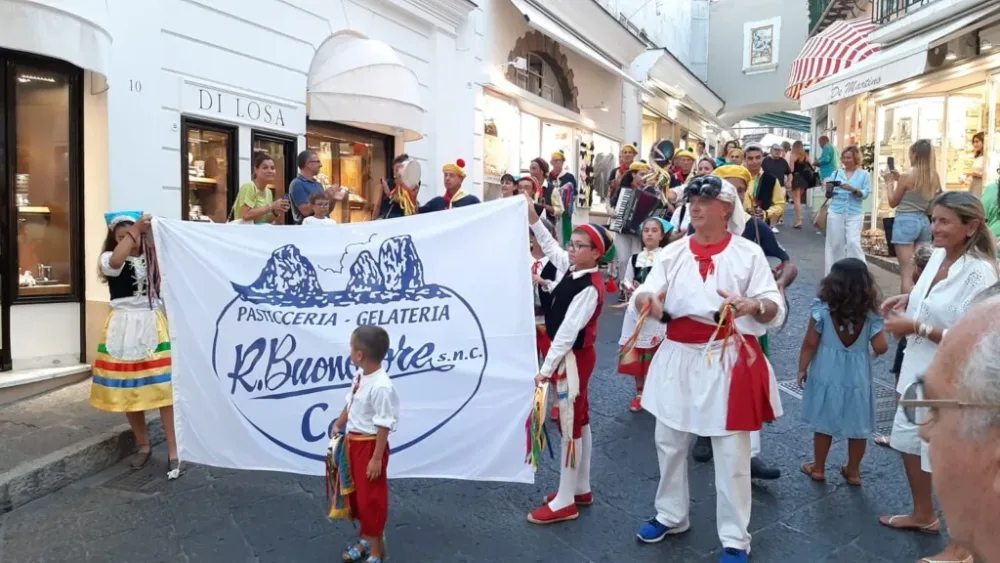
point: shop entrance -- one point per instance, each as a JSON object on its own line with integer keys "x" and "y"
{"x": 282, "y": 150}
{"x": 40, "y": 222}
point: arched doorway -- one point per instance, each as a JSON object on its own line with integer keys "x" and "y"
{"x": 547, "y": 73}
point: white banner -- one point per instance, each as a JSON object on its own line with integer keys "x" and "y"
{"x": 260, "y": 323}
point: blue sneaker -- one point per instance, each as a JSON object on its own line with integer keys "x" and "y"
{"x": 652, "y": 531}
{"x": 730, "y": 555}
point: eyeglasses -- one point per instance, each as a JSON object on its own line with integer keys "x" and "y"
{"x": 578, "y": 246}
{"x": 920, "y": 411}
{"x": 706, "y": 186}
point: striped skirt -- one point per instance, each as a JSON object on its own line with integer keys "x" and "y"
{"x": 636, "y": 362}
{"x": 133, "y": 368}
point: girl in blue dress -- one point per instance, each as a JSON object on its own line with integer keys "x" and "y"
{"x": 835, "y": 369}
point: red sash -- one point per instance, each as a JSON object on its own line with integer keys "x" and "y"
{"x": 750, "y": 382}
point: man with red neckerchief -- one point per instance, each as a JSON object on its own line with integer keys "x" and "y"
{"x": 454, "y": 196}
{"x": 710, "y": 377}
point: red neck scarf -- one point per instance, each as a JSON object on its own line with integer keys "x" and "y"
{"x": 704, "y": 253}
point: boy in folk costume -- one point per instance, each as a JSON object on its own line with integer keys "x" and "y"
{"x": 358, "y": 459}
{"x": 454, "y": 196}
{"x": 710, "y": 377}
{"x": 571, "y": 324}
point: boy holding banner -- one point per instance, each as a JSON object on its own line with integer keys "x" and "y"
{"x": 357, "y": 462}
{"x": 571, "y": 324}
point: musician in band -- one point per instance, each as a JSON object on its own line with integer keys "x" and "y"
{"x": 545, "y": 195}
{"x": 562, "y": 184}
{"x": 756, "y": 230}
{"x": 454, "y": 196}
{"x": 683, "y": 165}
{"x": 628, "y": 244}
{"x": 398, "y": 199}
{"x": 625, "y": 160}
{"x": 766, "y": 196}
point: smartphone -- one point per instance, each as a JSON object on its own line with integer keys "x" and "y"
{"x": 285, "y": 197}
{"x": 891, "y": 162}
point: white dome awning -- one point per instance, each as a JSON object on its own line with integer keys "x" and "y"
{"x": 76, "y": 32}
{"x": 361, "y": 82}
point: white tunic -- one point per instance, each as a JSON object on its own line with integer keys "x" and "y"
{"x": 684, "y": 389}
{"x": 374, "y": 405}
{"x": 653, "y": 331}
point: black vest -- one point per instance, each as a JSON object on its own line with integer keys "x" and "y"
{"x": 764, "y": 197}
{"x": 545, "y": 297}
{"x": 639, "y": 274}
{"x": 123, "y": 285}
{"x": 562, "y": 296}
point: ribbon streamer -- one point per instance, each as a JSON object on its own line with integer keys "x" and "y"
{"x": 726, "y": 324}
{"x": 630, "y": 343}
{"x": 537, "y": 435}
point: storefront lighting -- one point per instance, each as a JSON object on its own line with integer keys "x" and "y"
{"x": 24, "y": 78}
{"x": 985, "y": 45}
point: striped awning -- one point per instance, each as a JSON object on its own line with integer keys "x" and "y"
{"x": 832, "y": 50}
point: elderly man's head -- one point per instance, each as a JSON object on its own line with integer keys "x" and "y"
{"x": 964, "y": 431}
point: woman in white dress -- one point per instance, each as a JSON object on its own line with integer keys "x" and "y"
{"x": 962, "y": 265}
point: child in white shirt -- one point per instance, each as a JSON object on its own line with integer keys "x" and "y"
{"x": 372, "y": 412}
{"x": 321, "y": 205}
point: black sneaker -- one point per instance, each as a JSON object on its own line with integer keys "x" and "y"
{"x": 758, "y": 470}
{"x": 702, "y": 451}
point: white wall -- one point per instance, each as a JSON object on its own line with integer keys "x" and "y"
{"x": 261, "y": 51}
{"x": 595, "y": 85}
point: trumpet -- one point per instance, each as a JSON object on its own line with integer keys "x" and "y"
{"x": 660, "y": 156}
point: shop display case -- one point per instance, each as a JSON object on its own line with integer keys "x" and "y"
{"x": 355, "y": 159}
{"x": 899, "y": 126}
{"x": 208, "y": 184}
{"x": 966, "y": 114}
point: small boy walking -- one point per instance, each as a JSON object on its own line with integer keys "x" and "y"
{"x": 358, "y": 461}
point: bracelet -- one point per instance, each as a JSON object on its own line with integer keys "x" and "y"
{"x": 924, "y": 330}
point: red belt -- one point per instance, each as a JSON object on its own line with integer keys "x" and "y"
{"x": 750, "y": 382}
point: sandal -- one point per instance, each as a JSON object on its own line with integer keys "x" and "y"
{"x": 140, "y": 458}
{"x": 810, "y": 470}
{"x": 970, "y": 559}
{"x": 354, "y": 555}
{"x": 932, "y": 529}
{"x": 852, "y": 481}
{"x": 882, "y": 440}
{"x": 173, "y": 469}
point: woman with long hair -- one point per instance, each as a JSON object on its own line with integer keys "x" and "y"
{"x": 962, "y": 265}
{"x": 255, "y": 203}
{"x": 132, "y": 373}
{"x": 911, "y": 197}
{"x": 802, "y": 178}
{"x": 723, "y": 157}
{"x": 974, "y": 177}
{"x": 704, "y": 167}
{"x": 850, "y": 185}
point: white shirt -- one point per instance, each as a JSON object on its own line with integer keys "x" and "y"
{"x": 653, "y": 331}
{"x": 537, "y": 265}
{"x": 581, "y": 309}
{"x": 374, "y": 405}
{"x": 684, "y": 221}
{"x": 315, "y": 221}
{"x": 941, "y": 307}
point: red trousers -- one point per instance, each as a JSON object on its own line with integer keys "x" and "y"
{"x": 542, "y": 339}
{"x": 370, "y": 499}
{"x": 586, "y": 360}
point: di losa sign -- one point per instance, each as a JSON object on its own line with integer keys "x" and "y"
{"x": 216, "y": 103}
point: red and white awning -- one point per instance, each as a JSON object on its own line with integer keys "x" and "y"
{"x": 834, "y": 49}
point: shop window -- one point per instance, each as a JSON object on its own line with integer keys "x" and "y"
{"x": 208, "y": 189}
{"x": 45, "y": 111}
{"x": 283, "y": 151}
{"x": 355, "y": 159}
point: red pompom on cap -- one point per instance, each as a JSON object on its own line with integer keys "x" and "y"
{"x": 460, "y": 163}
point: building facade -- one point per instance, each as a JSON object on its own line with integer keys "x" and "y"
{"x": 932, "y": 72}
{"x": 159, "y": 106}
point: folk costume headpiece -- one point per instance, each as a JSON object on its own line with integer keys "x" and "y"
{"x": 630, "y": 147}
{"x": 733, "y": 171}
{"x": 457, "y": 168}
{"x": 602, "y": 240}
{"x": 685, "y": 154}
{"x": 714, "y": 187}
{"x": 557, "y": 155}
{"x": 638, "y": 166}
{"x": 114, "y": 218}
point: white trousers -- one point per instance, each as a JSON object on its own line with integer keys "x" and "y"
{"x": 732, "y": 483}
{"x": 754, "y": 444}
{"x": 625, "y": 247}
{"x": 843, "y": 238}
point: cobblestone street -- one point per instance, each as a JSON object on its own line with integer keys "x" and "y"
{"x": 213, "y": 515}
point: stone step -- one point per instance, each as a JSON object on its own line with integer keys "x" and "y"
{"x": 23, "y": 383}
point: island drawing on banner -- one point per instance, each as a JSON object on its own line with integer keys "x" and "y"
{"x": 285, "y": 337}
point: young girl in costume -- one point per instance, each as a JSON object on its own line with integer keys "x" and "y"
{"x": 635, "y": 361}
{"x": 361, "y": 456}
{"x": 132, "y": 373}
{"x": 571, "y": 324}
{"x": 835, "y": 366}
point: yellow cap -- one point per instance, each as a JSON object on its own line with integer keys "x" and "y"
{"x": 558, "y": 155}
{"x": 458, "y": 167}
{"x": 733, "y": 171}
{"x": 630, "y": 147}
{"x": 685, "y": 154}
{"x": 639, "y": 167}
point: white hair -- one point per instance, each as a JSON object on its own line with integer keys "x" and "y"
{"x": 980, "y": 381}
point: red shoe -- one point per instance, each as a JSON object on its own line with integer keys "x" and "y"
{"x": 636, "y": 404}
{"x": 555, "y": 413}
{"x": 586, "y": 499}
{"x": 545, "y": 515}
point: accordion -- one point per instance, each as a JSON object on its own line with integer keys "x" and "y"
{"x": 634, "y": 208}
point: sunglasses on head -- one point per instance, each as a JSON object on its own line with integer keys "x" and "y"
{"x": 707, "y": 186}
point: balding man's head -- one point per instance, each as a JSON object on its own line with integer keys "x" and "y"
{"x": 965, "y": 438}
